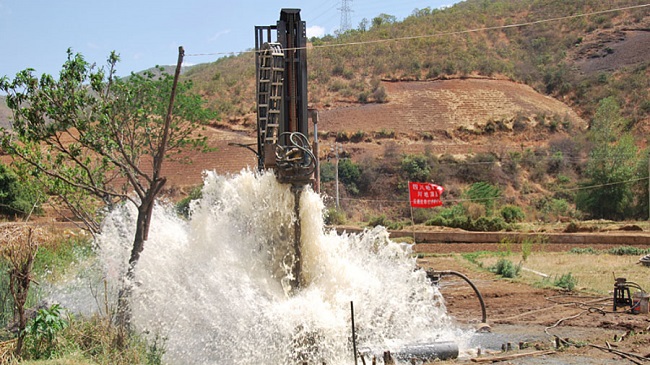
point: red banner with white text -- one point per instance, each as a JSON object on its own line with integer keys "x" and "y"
{"x": 425, "y": 195}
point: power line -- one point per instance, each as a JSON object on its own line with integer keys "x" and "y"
{"x": 322, "y": 13}
{"x": 504, "y": 197}
{"x": 441, "y": 34}
{"x": 522, "y": 158}
{"x": 517, "y": 25}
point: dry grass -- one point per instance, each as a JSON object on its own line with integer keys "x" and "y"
{"x": 594, "y": 273}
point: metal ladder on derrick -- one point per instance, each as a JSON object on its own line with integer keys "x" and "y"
{"x": 270, "y": 91}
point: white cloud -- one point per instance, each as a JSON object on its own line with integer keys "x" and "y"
{"x": 315, "y": 31}
{"x": 218, "y": 34}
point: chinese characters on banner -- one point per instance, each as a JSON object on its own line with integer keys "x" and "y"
{"x": 425, "y": 195}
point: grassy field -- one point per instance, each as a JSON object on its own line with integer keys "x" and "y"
{"x": 593, "y": 272}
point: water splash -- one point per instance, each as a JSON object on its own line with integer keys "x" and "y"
{"x": 216, "y": 286}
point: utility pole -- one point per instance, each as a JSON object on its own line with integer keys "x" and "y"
{"x": 314, "y": 119}
{"x": 336, "y": 148}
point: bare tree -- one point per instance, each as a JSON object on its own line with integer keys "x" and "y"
{"x": 18, "y": 246}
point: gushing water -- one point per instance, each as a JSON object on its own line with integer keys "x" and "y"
{"x": 216, "y": 286}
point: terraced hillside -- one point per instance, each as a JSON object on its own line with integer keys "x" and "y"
{"x": 449, "y": 116}
{"x": 452, "y": 116}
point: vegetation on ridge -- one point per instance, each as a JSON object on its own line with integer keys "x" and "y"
{"x": 439, "y": 43}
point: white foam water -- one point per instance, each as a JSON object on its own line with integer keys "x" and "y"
{"x": 216, "y": 285}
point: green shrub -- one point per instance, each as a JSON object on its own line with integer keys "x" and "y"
{"x": 42, "y": 333}
{"x": 364, "y": 97}
{"x": 327, "y": 172}
{"x": 379, "y": 220}
{"x": 481, "y": 224}
{"x": 350, "y": 175}
{"x": 358, "y": 136}
{"x": 484, "y": 193}
{"x": 512, "y": 214}
{"x": 438, "y": 221}
{"x": 18, "y": 197}
{"x": 485, "y": 224}
{"x": 505, "y": 268}
{"x": 338, "y": 69}
{"x": 156, "y": 350}
{"x": 342, "y": 136}
{"x": 628, "y": 251}
{"x": 334, "y": 216}
{"x": 572, "y": 227}
{"x": 397, "y": 225}
{"x": 566, "y": 281}
{"x": 382, "y": 220}
{"x": 385, "y": 133}
{"x": 423, "y": 215}
{"x": 581, "y": 251}
{"x": 481, "y": 168}
{"x": 415, "y": 168}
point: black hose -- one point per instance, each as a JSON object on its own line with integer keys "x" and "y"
{"x": 462, "y": 276}
{"x": 631, "y": 284}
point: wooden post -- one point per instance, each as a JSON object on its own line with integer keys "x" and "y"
{"x": 388, "y": 359}
{"x": 412, "y": 220}
{"x": 354, "y": 334}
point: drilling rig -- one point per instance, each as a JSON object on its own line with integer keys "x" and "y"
{"x": 282, "y": 115}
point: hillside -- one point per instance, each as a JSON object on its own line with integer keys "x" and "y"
{"x": 577, "y": 59}
{"x": 509, "y": 106}
{"x": 497, "y": 91}
{"x": 445, "y": 117}
{"x": 443, "y": 114}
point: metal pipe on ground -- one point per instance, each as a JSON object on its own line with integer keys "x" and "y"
{"x": 446, "y": 350}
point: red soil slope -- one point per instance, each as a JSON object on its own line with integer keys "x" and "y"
{"x": 416, "y": 107}
{"x": 442, "y": 116}
{"x": 438, "y": 115}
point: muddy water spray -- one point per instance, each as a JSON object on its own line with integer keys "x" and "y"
{"x": 216, "y": 286}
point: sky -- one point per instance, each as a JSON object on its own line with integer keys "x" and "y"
{"x": 36, "y": 33}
